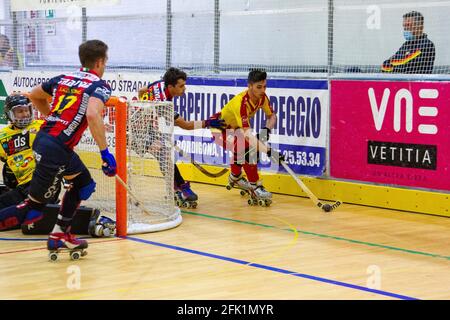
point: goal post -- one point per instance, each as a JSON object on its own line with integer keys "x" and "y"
{"x": 119, "y": 107}
{"x": 140, "y": 135}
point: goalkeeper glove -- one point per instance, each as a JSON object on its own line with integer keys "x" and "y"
{"x": 215, "y": 123}
{"x": 263, "y": 135}
{"x": 276, "y": 155}
{"x": 109, "y": 166}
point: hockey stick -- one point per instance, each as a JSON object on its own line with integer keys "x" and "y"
{"x": 169, "y": 144}
{"x": 199, "y": 167}
{"x": 138, "y": 202}
{"x": 324, "y": 206}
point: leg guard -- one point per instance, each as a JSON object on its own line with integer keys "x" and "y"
{"x": 101, "y": 226}
{"x": 28, "y": 211}
{"x": 11, "y": 217}
{"x": 80, "y": 222}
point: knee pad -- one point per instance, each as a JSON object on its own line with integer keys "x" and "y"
{"x": 88, "y": 190}
{"x": 83, "y": 184}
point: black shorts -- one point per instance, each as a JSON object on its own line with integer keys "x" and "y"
{"x": 53, "y": 161}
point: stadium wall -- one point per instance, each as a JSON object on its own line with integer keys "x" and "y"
{"x": 388, "y": 145}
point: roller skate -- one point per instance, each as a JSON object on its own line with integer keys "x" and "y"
{"x": 101, "y": 226}
{"x": 185, "y": 197}
{"x": 238, "y": 182}
{"x": 259, "y": 196}
{"x": 60, "y": 242}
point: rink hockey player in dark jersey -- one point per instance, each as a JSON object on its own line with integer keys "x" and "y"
{"x": 173, "y": 85}
{"x": 78, "y": 101}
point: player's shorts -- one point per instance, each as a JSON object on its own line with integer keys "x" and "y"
{"x": 53, "y": 161}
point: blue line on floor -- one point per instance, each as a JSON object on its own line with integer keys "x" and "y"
{"x": 22, "y": 239}
{"x": 260, "y": 266}
{"x": 33, "y": 239}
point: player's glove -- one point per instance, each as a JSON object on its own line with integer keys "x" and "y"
{"x": 275, "y": 155}
{"x": 215, "y": 123}
{"x": 109, "y": 166}
{"x": 263, "y": 135}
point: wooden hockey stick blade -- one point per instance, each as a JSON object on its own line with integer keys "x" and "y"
{"x": 324, "y": 206}
{"x": 200, "y": 168}
{"x": 136, "y": 199}
{"x": 207, "y": 173}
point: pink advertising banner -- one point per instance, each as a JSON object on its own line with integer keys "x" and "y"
{"x": 391, "y": 132}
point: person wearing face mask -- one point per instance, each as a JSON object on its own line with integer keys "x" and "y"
{"x": 417, "y": 53}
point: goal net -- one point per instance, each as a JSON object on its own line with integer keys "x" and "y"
{"x": 140, "y": 133}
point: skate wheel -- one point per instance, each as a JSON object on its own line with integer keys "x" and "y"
{"x": 250, "y": 202}
{"x": 53, "y": 256}
{"x": 194, "y": 205}
{"x": 179, "y": 203}
{"x": 185, "y": 205}
{"x": 261, "y": 203}
{"x": 228, "y": 187}
{"x": 242, "y": 193}
{"x": 268, "y": 203}
{"x": 75, "y": 255}
{"x": 106, "y": 232}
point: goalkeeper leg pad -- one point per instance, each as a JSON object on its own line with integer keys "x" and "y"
{"x": 80, "y": 222}
{"x": 12, "y": 217}
{"x": 101, "y": 226}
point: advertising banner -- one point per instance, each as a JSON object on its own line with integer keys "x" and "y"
{"x": 391, "y": 132}
{"x": 301, "y": 107}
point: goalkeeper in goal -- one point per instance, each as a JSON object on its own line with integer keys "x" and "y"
{"x": 173, "y": 85}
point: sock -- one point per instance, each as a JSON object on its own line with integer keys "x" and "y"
{"x": 69, "y": 205}
{"x": 57, "y": 229}
{"x": 252, "y": 172}
{"x": 236, "y": 170}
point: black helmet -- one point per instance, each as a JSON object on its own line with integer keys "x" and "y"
{"x": 14, "y": 101}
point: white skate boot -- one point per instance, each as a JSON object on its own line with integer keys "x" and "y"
{"x": 238, "y": 182}
{"x": 259, "y": 195}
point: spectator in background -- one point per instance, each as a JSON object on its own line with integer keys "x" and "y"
{"x": 8, "y": 57}
{"x": 417, "y": 54}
